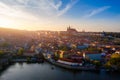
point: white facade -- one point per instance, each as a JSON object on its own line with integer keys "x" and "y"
{"x": 69, "y": 63}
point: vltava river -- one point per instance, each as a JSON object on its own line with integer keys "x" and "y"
{"x": 46, "y": 71}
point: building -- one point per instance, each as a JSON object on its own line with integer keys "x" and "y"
{"x": 71, "y": 31}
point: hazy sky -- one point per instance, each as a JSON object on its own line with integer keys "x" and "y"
{"x": 89, "y": 15}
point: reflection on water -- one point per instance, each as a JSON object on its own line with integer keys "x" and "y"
{"x": 46, "y": 71}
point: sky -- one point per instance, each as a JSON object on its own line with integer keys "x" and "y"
{"x": 57, "y": 15}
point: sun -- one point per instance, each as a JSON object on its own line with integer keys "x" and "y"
{"x": 6, "y": 23}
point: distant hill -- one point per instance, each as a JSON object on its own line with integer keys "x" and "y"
{"x": 9, "y": 29}
{"x": 7, "y": 32}
{"x": 15, "y": 36}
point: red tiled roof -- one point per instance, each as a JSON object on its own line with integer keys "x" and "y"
{"x": 70, "y": 60}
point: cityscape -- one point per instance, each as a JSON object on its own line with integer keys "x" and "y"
{"x": 50, "y": 40}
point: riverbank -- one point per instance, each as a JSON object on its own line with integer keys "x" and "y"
{"x": 83, "y": 68}
{"x": 69, "y": 67}
{"x": 29, "y": 61}
{"x": 12, "y": 61}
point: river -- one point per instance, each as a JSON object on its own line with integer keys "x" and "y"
{"x": 46, "y": 71}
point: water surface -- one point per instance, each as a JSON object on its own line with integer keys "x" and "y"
{"x": 46, "y": 71}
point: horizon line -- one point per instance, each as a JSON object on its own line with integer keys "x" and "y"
{"x": 57, "y": 30}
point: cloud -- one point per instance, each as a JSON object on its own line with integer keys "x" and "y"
{"x": 34, "y": 12}
{"x": 7, "y": 11}
{"x": 68, "y": 6}
{"x": 57, "y": 5}
{"x": 39, "y": 8}
{"x": 97, "y": 11}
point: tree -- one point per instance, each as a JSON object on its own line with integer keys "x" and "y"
{"x": 108, "y": 65}
{"x": 97, "y": 63}
{"x": 20, "y": 51}
{"x": 28, "y": 59}
{"x": 5, "y": 44}
{"x": 115, "y": 55}
{"x": 1, "y": 52}
{"x": 114, "y": 61}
